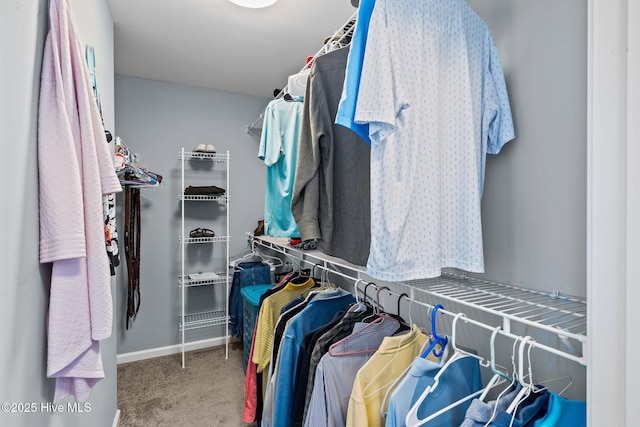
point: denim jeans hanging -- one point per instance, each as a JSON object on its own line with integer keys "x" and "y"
{"x": 245, "y": 274}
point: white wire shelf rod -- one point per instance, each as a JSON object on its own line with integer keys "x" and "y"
{"x": 579, "y": 359}
{"x": 492, "y": 300}
{"x": 321, "y": 258}
{"x": 196, "y": 283}
{"x": 533, "y": 310}
{"x": 553, "y": 316}
{"x": 221, "y": 158}
{"x": 483, "y": 298}
{"x": 446, "y": 278}
{"x": 203, "y": 319}
{"x": 186, "y": 279}
{"x": 569, "y": 323}
{"x": 527, "y": 300}
{"x": 192, "y": 240}
{"x": 542, "y": 311}
{"x": 583, "y": 328}
{"x": 472, "y": 295}
{"x": 505, "y": 291}
{"x": 479, "y": 283}
{"x": 506, "y": 304}
{"x": 555, "y": 331}
{"x": 195, "y": 198}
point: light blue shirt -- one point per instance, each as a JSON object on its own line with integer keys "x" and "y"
{"x": 337, "y": 371}
{"x": 347, "y": 105}
{"x": 460, "y": 379}
{"x": 480, "y": 413}
{"x": 433, "y": 93}
{"x": 563, "y": 412}
{"x": 279, "y": 151}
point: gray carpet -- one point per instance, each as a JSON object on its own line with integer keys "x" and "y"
{"x": 208, "y": 392}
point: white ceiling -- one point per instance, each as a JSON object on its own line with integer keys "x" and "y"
{"x": 216, "y": 44}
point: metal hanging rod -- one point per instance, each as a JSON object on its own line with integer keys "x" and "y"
{"x": 563, "y": 316}
{"x": 342, "y": 33}
{"x": 467, "y": 320}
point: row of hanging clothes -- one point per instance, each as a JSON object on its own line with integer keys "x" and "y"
{"x": 413, "y": 103}
{"x": 317, "y": 176}
{"x": 133, "y": 177}
{"x": 318, "y": 356}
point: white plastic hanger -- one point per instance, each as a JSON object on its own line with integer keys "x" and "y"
{"x": 360, "y": 300}
{"x": 396, "y": 382}
{"x": 497, "y": 375}
{"x": 527, "y": 388}
{"x": 513, "y": 381}
{"x": 252, "y": 256}
{"x": 412, "y": 419}
{"x": 401, "y": 342}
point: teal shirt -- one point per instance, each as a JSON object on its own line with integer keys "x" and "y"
{"x": 563, "y": 412}
{"x": 279, "y": 151}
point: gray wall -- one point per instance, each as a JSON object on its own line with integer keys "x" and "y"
{"x": 156, "y": 119}
{"x": 534, "y": 203}
{"x": 25, "y": 286}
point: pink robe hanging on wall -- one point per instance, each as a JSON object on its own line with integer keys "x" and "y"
{"x": 75, "y": 171}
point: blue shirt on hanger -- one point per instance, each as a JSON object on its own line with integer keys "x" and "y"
{"x": 319, "y": 311}
{"x": 563, "y": 412}
{"x": 527, "y": 412}
{"x": 460, "y": 379}
{"x": 347, "y": 106}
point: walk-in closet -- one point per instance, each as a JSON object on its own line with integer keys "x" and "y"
{"x": 261, "y": 213}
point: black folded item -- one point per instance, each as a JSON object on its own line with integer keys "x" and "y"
{"x": 203, "y": 190}
{"x": 307, "y": 245}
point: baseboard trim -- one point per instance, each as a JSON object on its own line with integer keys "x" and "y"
{"x": 116, "y": 419}
{"x": 168, "y": 350}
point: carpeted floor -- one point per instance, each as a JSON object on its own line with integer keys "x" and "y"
{"x": 208, "y": 392}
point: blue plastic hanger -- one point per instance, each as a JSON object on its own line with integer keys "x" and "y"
{"x": 437, "y": 339}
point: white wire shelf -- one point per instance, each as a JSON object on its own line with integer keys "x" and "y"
{"x": 191, "y": 240}
{"x": 222, "y": 199}
{"x": 188, "y": 282}
{"x": 215, "y": 157}
{"x": 564, "y": 316}
{"x": 203, "y": 320}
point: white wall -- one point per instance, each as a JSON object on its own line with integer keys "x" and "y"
{"x": 156, "y": 119}
{"x": 25, "y": 284}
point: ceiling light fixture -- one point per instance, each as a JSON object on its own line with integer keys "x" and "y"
{"x": 253, "y": 4}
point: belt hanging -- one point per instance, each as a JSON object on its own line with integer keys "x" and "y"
{"x": 132, "y": 251}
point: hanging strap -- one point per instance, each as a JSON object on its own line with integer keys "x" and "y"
{"x": 132, "y": 250}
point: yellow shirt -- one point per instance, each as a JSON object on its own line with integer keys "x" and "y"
{"x": 268, "y": 318}
{"x": 373, "y": 379}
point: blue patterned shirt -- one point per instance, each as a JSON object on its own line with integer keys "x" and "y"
{"x": 433, "y": 93}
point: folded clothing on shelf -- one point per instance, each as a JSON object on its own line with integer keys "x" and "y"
{"x": 201, "y": 232}
{"x": 203, "y": 190}
{"x": 306, "y": 245}
{"x": 203, "y": 276}
{"x": 204, "y": 148}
